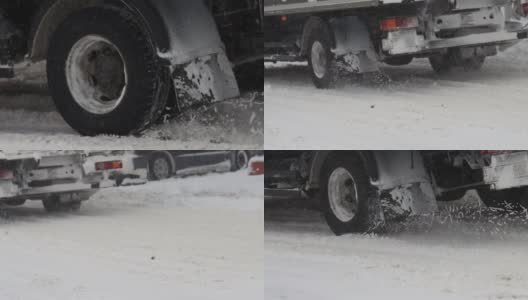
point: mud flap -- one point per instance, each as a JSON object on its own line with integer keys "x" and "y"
{"x": 205, "y": 80}
{"x": 406, "y": 185}
{"x": 353, "y": 47}
{"x": 412, "y": 199}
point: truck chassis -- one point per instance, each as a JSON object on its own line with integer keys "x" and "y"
{"x": 359, "y": 190}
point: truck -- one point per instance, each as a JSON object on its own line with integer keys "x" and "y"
{"x": 62, "y": 180}
{"x": 359, "y": 191}
{"x": 116, "y": 66}
{"x": 353, "y": 36}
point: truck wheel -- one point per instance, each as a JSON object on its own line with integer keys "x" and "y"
{"x": 511, "y": 199}
{"x": 444, "y": 63}
{"x": 399, "y": 60}
{"x": 53, "y": 204}
{"x": 104, "y": 73}
{"x": 473, "y": 64}
{"x": 160, "y": 167}
{"x": 441, "y": 63}
{"x": 345, "y": 188}
{"x": 16, "y": 202}
{"x": 240, "y": 160}
{"x": 322, "y": 62}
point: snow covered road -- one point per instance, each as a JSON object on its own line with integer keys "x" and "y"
{"x": 29, "y": 120}
{"x": 194, "y": 238}
{"x": 460, "y": 257}
{"x": 418, "y": 109}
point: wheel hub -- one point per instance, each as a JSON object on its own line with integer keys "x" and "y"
{"x": 161, "y": 168}
{"x": 343, "y": 195}
{"x": 96, "y": 74}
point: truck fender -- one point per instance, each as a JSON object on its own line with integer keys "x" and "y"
{"x": 52, "y": 12}
{"x": 184, "y": 32}
{"x": 320, "y": 157}
{"x": 309, "y": 26}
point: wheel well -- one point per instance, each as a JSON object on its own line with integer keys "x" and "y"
{"x": 309, "y": 26}
{"x": 321, "y": 157}
{"x": 51, "y": 13}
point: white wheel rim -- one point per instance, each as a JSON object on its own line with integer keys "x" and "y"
{"x": 242, "y": 159}
{"x": 343, "y": 195}
{"x": 160, "y": 168}
{"x": 319, "y": 59}
{"x": 96, "y": 74}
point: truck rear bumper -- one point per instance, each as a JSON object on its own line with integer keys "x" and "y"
{"x": 507, "y": 171}
{"x": 410, "y": 43}
{"x": 483, "y": 26}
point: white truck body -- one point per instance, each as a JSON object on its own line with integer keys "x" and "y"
{"x": 509, "y": 170}
{"x": 35, "y": 174}
{"x": 380, "y": 30}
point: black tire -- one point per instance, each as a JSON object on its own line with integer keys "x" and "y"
{"x": 53, "y": 204}
{"x": 154, "y": 170}
{"x": 361, "y": 221}
{"x": 510, "y": 199}
{"x": 399, "y": 60}
{"x": 144, "y": 95}
{"x": 444, "y": 63}
{"x": 16, "y": 202}
{"x": 240, "y": 160}
{"x": 452, "y": 195}
{"x": 119, "y": 181}
{"x": 327, "y": 77}
{"x": 250, "y": 76}
{"x": 473, "y": 64}
{"x": 441, "y": 63}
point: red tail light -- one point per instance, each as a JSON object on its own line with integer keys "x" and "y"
{"x": 109, "y": 165}
{"x": 256, "y": 168}
{"x": 6, "y": 175}
{"x": 396, "y": 23}
{"x": 525, "y": 8}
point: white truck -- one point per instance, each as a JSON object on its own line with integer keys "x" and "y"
{"x": 353, "y": 35}
{"x": 360, "y": 190}
{"x": 116, "y": 66}
{"x": 60, "y": 179}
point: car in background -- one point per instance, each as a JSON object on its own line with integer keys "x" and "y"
{"x": 166, "y": 164}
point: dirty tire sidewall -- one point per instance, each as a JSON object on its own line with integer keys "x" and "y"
{"x": 515, "y": 199}
{"x": 441, "y": 63}
{"x": 473, "y": 64}
{"x": 146, "y": 92}
{"x": 322, "y": 35}
{"x": 360, "y": 223}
